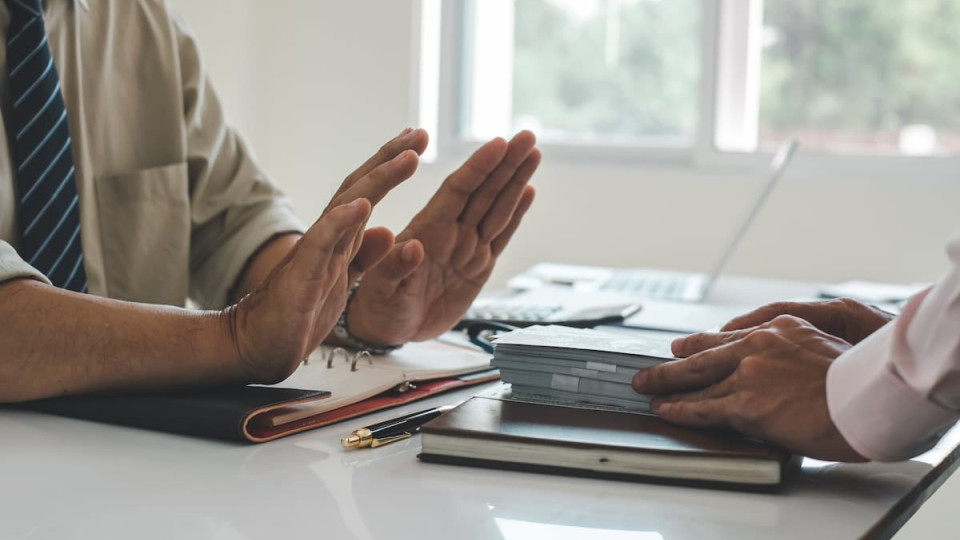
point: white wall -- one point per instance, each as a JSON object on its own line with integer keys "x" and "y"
{"x": 317, "y": 86}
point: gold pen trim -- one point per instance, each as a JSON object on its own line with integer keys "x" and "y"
{"x": 358, "y": 439}
{"x": 387, "y": 440}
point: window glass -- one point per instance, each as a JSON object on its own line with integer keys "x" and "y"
{"x": 603, "y": 71}
{"x": 862, "y": 76}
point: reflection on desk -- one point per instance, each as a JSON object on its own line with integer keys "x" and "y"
{"x": 73, "y": 479}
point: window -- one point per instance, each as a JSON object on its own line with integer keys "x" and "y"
{"x": 594, "y": 71}
{"x": 861, "y": 76}
{"x": 684, "y": 79}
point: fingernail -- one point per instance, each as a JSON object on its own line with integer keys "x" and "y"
{"x": 410, "y": 134}
{"x": 676, "y": 345}
{"x": 404, "y": 132}
{"x": 408, "y": 253}
{"x": 639, "y": 380}
{"x": 662, "y": 408}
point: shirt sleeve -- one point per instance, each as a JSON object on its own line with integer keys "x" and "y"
{"x": 896, "y": 393}
{"x": 13, "y": 267}
{"x": 235, "y": 208}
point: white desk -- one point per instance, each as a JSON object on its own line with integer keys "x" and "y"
{"x": 63, "y": 479}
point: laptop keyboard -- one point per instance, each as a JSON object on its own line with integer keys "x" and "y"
{"x": 656, "y": 286}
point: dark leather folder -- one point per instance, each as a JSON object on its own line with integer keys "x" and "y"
{"x": 238, "y": 413}
{"x": 501, "y": 433}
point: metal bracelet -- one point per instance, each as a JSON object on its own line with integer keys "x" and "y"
{"x": 350, "y": 341}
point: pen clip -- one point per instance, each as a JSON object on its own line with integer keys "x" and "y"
{"x": 387, "y": 440}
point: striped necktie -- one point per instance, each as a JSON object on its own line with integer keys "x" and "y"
{"x": 40, "y": 140}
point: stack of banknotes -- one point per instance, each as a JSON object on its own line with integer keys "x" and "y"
{"x": 574, "y": 365}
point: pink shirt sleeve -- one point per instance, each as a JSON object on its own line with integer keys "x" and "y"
{"x": 895, "y": 394}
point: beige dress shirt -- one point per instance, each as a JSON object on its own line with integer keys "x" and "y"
{"x": 172, "y": 204}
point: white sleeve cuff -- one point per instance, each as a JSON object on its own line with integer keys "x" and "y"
{"x": 878, "y": 414}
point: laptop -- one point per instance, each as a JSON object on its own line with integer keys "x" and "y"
{"x": 644, "y": 283}
{"x": 588, "y": 295}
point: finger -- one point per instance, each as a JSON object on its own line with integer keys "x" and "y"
{"x": 374, "y": 246}
{"x": 377, "y": 183}
{"x": 408, "y": 139}
{"x": 710, "y": 413}
{"x": 500, "y": 242}
{"x": 697, "y": 371}
{"x": 714, "y": 391}
{"x": 402, "y": 261}
{"x": 702, "y": 341}
{"x": 810, "y": 311}
{"x": 450, "y": 200}
{"x": 481, "y": 201}
{"x": 498, "y": 217}
{"x": 317, "y": 247}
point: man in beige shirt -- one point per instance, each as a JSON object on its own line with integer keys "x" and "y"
{"x": 172, "y": 207}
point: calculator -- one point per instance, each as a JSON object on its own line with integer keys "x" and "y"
{"x": 550, "y": 305}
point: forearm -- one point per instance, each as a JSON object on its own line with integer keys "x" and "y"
{"x": 56, "y": 343}
{"x": 262, "y": 263}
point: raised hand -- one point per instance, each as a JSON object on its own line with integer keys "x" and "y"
{"x": 448, "y": 251}
{"x": 393, "y": 163}
{"x": 278, "y": 324}
{"x": 291, "y": 311}
{"x": 844, "y": 318}
{"x": 768, "y": 382}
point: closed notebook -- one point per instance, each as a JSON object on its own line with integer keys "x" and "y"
{"x": 489, "y": 431}
{"x": 331, "y": 386}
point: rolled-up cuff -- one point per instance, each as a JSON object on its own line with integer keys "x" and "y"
{"x": 210, "y": 285}
{"x": 13, "y": 267}
{"x": 879, "y": 414}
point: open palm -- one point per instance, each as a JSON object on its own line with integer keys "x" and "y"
{"x": 447, "y": 252}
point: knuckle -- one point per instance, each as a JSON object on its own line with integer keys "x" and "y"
{"x": 750, "y": 367}
{"x": 786, "y": 321}
{"x": 849, "y": 305}
{"x": 697, "y": 365}
{"x": 386, "y": 151}
{"x": 762, "y": 339}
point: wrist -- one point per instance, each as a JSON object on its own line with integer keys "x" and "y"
{"x": 343, "y": 333}
{"x": 224, "y": 341}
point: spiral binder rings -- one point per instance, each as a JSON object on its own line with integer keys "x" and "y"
{"x": 359, "y": 382}
{"x": 331, "y": 385}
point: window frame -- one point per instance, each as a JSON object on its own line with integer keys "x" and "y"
{"x": 727, "y": 75}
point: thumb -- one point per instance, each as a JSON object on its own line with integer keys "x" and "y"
{"x": 376, "y": 243}
{"x": 399, "y": 264}
{"x": 324, "y": 240}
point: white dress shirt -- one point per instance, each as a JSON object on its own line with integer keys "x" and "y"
{"x": 896, "y": 393}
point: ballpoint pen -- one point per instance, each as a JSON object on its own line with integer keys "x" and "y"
{"x": 392, "y": 430}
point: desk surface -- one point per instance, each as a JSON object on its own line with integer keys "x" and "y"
{"x": 65, "y": 478}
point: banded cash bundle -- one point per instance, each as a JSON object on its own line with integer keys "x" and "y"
{"x": 573, "y": 365}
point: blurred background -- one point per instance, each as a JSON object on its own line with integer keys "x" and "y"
{"x": 656, "y": 118}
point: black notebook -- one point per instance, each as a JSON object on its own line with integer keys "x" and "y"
{"x": 243, "y": 413}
